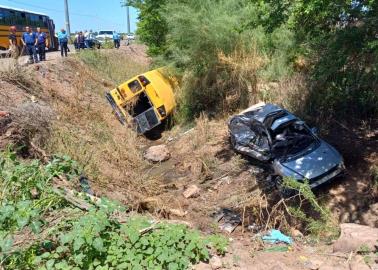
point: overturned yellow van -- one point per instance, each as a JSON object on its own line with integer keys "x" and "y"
{"x": 144, "y": 101}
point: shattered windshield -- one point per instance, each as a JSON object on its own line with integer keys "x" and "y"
{"x": 291, "y": 139}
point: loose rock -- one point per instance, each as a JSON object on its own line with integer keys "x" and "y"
{"x": 215, "y": 262}
{"x": 191, "y": 192}
{"x": 159, "y": 153}
{"x": 178, "y": 212}
{"x": 296, "y": 233}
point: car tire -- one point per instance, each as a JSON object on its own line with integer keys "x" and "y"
{"x": 284, "y": 191}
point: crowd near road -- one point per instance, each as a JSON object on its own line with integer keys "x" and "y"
{"x": 36, "y": 43}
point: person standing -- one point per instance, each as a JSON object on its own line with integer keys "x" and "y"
{"x": 86, "y": 37}
{"x": 42, "y": 44}
{"x": 75, "y": 41}
{"x": 13, "y": 46}
{"x": 63, "y": 42}
{"x": 29, "y": 40}
{"x": 80, "y": 40}
{"x": 116, "y": 40}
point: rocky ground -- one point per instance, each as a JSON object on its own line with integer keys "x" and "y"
{"x": 58, "y": 105}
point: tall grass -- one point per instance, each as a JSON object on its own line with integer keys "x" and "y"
{"x": 112, "y": 65}
{"x": 219, "y": 56}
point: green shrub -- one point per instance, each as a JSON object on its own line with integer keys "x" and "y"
{"x": 84, "y": 240}
{"x": 318, "y": 219}
{"x": 218, "y": 49}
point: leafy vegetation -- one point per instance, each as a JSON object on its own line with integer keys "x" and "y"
{"x": 83, "y": 240}
{"x": 317, "y": 219}
{"x": 152, "y": 28}
{"x": 224, "y": 51}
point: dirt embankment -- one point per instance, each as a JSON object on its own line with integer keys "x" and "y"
{"x": 59, "y": 105}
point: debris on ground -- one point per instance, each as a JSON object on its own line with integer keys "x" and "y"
{"x": 228, "y": 219}
{"x": 3, "y": 114}
{"x": 354, "y": 236}
{"x": 191, "y": 192}
{"x": 85, "y": 185}
{"x": 215, "y": 262}
{"x": 158, "y": 153}
{"x": 296, "y": 233}
{"x": 275, "y": 236}
{"x": 178, "y": 212}
{"x": 312, "y": 264}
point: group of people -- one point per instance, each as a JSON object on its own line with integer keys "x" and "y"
{"x": 84, "y": 40}
{"x": 35, "y": 43}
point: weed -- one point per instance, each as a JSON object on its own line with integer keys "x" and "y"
{"x": 202, "y": 132}
{"x": 364, "y": 250}
{"x": 324, "y": 225}
{"x": 367, "y": 259}
{"x": 91, "y": 240}
{"x": 219, "y": 243}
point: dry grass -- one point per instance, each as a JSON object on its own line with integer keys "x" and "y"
{"x": 243, "y": 65}
{"x": 86, "y": 130}
{"x": 202, "y": 132}
{"x": 21, "y": 77}
{"x": 291, "y": 93}
{"x": 112, "y": 65}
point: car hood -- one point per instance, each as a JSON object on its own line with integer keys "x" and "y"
{"x": 104, "y": 36}
{"x": 315, "y": 163}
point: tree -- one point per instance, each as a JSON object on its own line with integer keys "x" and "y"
{"x": 152, "y": 27}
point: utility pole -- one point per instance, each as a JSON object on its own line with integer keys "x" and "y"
{"x": 68, "y": 28}
{"x": 128, "y": 19}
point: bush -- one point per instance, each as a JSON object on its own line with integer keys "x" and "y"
{"x": 57, "y": 237}
{"x": 219, "y": 48}
{"x": 317, "y": 219}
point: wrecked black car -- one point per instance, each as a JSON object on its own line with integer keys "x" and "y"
{"x": 270, "y": 134}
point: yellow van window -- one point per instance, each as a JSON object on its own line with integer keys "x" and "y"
{"x": 135, "y": 86}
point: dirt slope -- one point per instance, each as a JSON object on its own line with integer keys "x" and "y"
{"x": 59, "y": 106}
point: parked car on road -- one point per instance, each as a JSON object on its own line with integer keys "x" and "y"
{"x": 105, "y": 36}
{"x": 271, "y": 134}
{"x": 130, "y": 36}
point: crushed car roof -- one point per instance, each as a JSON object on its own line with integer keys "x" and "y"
{"x": 262, "y": 113}
{"x": 272, "y": 116}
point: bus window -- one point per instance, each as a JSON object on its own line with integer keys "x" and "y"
{"x": 33, "y": 20}
{"x": 45, "y": 21}
{"x": 23, "y": 20}
{"x": 5, "y": 17}
{"x": 2, "y": 15}
{"x": 135, "y": 86}
{"x": 18, "y": 20}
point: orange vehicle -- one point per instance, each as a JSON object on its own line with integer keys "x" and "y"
{"x": 21, "y": 18}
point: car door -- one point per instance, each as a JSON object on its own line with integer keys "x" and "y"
{"x": 260, "y": 143}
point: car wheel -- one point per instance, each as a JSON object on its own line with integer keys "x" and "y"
{"x": 284, "y": 191}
